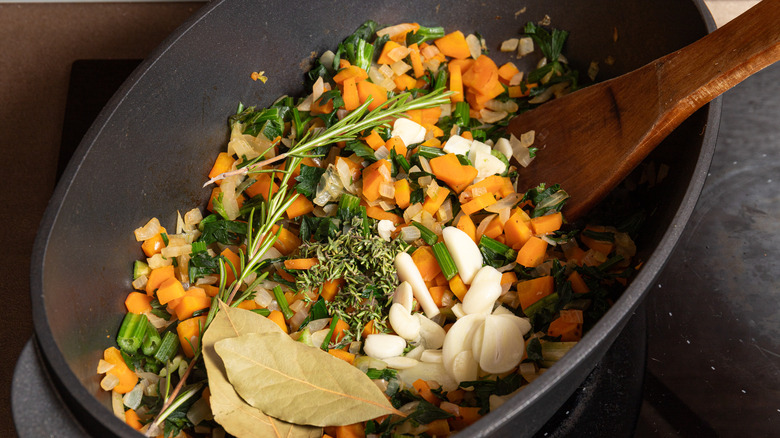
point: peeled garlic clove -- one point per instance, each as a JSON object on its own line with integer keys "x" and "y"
{"x": 502, "y": 345}
{"x": 404, "y": 295}
{"x": 483, "y": 292}
{"x": 431, "y": 333}
{"x": 404, "y": 324}
{"x": 457, "y": 310}
{"x": 382, "y": 346}
{"x": 465, "y": 253}
{"x": 400, "y": 362}
{"x": 458, "y": 339}
{"x": 476, "y": 341}
{"x": 416, "y": 352}
{"x": 464, "y": 367}
{"x": 523, "y": 324}
{"x": 501, "y": 310}
{"x": 431, "y": 356}
{"x": 407, "y": 271}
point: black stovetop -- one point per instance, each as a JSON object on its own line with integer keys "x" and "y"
{"x": 712, "y": 321}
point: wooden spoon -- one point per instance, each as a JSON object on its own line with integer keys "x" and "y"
{"x": 591, "y": 139}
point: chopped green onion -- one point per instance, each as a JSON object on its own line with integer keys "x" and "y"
{"x": 132, "y": 332}
{"x": 444, "y": 258}
{"x": 430, "y": 152}
{"x": 198, "y": 247}
{"x": 164, "y": 238}
{"x": 140, "y": 268}
{"x": 441, "y": 79}
{"x": 424, "y": 34}
{"x": 284, "y": 306}
{"x": 151, "y": 340}
{"x": 547, "y": 302}
{"x": 461, "y": 114}
{"x": 402, "y": 162}
{"x": 168, "y": 347}
{"x": 495, "y": 253}
{"x": 333, "y": 323}
{"x": 425, "y": 234}
{"x": 264, "y": 312}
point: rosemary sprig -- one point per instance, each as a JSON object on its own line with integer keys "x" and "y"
{"x": 349, "y": 127}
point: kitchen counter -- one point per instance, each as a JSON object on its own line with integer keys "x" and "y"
{"x": 39, "y": 43}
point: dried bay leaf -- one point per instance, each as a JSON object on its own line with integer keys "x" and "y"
{"x": 235, "y": 415}
{"x": 298, "y": 383}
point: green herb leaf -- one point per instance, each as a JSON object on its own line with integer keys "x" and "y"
{"x": 308, "y": 180}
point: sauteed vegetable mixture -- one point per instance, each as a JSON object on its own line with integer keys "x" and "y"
{"x": 366, "y": 265}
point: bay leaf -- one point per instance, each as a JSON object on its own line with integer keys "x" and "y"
{"x": 298, "y": 383}
{"x": 234, "y": 414}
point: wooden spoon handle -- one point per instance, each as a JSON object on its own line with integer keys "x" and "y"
{"x": 699, "y": 72}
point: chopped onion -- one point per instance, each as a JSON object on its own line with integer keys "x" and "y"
{"x": 262, "y": 297}
{"x": 298, "y": 318}
{"x": 327, "y": 59}
{"x": 412, "y": 212}
{"x": 151, "y": 229}
{"x": 199, "y": 411}
{"x": 524, "y": 46}
{"x": 116, "y": 405}
{"x": 497, "y": 105}
{"x": 387, "y": 205}
{"x": 410, "y": 234}
{"x": 475, "y": 45}
{"x": 509, "y": 45}
{"x": 158, "y": 261}
{"x": 398, "y": 53}
{"x": 386, "y": 71}
{"x": 508, "y": 201}
{"x": 374, "y": 74}
{"x": 400, "y": 67}
{"x": 430, "y": 51}
{"x": 488, "y": 116}
{"x": 317, "y": 89}
{"x": 387, "y": 189}
{"x": 140, "y": 282}
{"x": 392, "y": 31}
{"x": 176, "y": 251}
{"x": 381, "y": 153}
{"x": 516, "y": 80}
{"x": 134, "y": 397}
{"x": 104, "y": 366}
{"x": 484, "y": 224}
{"x": 444, "y": 214}
{"x": 305, "y": 105}
{"x": 109, "y": 382}
{"x": 433, "y": 189}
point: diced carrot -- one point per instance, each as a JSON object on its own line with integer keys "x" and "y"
{"x": 568, "y": 331}
{"x": 437, "y": 293}
{"x": 602, "y": 246}
{"x": 189, "y": 332}
{"x": 376, "y": 92}
{"x": 509, "y": 277}
{"x": 448, "y": 169}
{"x": 133, "y": 420}
{"x": 356, "y": 430}
{"x": 158, "y": 276}
{"x": 278, "y": 317}
{"x": 340, "y": 330}
{"x": 222, "y": 164}
{"x": 343, "y": 355}
{"x": 210, "y": 290}
{"x": 170, "y": 289}
{"x": 374, "y": 140}
{"x": 426, "y": 262}
{"x": 190, "y": 304}
{"x": 299, "y": 207}
{"x": 300, "y": 264}
{"x": 387, "y": 48}
{"x": 285, "y": 275}
{"x": 547, "y": 223}
{"x": 456, "y": 83}
{"x": 478, "y": 203}
{"x": 466, "y": 225}
{"x": 454, "y": 45}
{"x": 431, "y": 115}
{"x": 405, "y": 82}
{"x": 482, "y": 77}
{"x": 330, "y": 288}
{"x": 154, "y": 244}
{"x": 468, "y": 415}
{"x": 262, "y": 186}
{"x": 578, "y": 285}
{"x": 235, "y": 260}
{"x": 397, "y": 144}
{"x": 402, "y": 193}
{"x": 464, "y": 64}
{"x": 572, "y": 315}
{"x": 379, "y": 214}
{"x": 417, "y": 65}
{"x": 248, "y": 305}
{"x": 343, "y": 63}
{"x": 287, "y": 242}
{"x": 215, "y": 192}
{"x": 493, "y": 230}
{"x": 458, "y": 287}
{"x": 424, "y": 390}
{"x": 531, "y": 291}
{"x": 369, "y": 329}
{"x": 318, "y": 107}
{"x": 138, "y": 302}
{"x": 440, "y": 427}
{"x": 432, "y": 204}
{"x": 432, "y": 142}
{"x": 373, "y": 178}
{"x": 352, "y": 71}
{"x": 532, "y": 253}
{"x": 516, "y": 230}
{"x": 506, "y": 72}
{"x": 350, "y": 94}
{"x": 456, "y": 396}
{"x": 127, "y": 377}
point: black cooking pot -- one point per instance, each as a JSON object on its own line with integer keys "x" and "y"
{"x": 149, "y": 151}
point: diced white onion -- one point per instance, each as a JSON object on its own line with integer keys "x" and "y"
{"x": 109, "y": 382}
{"x": 400, "y": 67}
{"x": 158, "y": 261}
{"x": 199, "y": 411}
{"x": 524, "y": 46}
{"x": 327, "y": 59}
{"x": 509, "y": 45}
{"x": 151, "y": 229}
{"x": 134, "y": 397}
{"x": 381, "y": 154}
{"x": 140, "y": 282}
{"x": 475, "y": 45}
{"x": 410, "y": 234}
{"x": 397, "y": 29}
